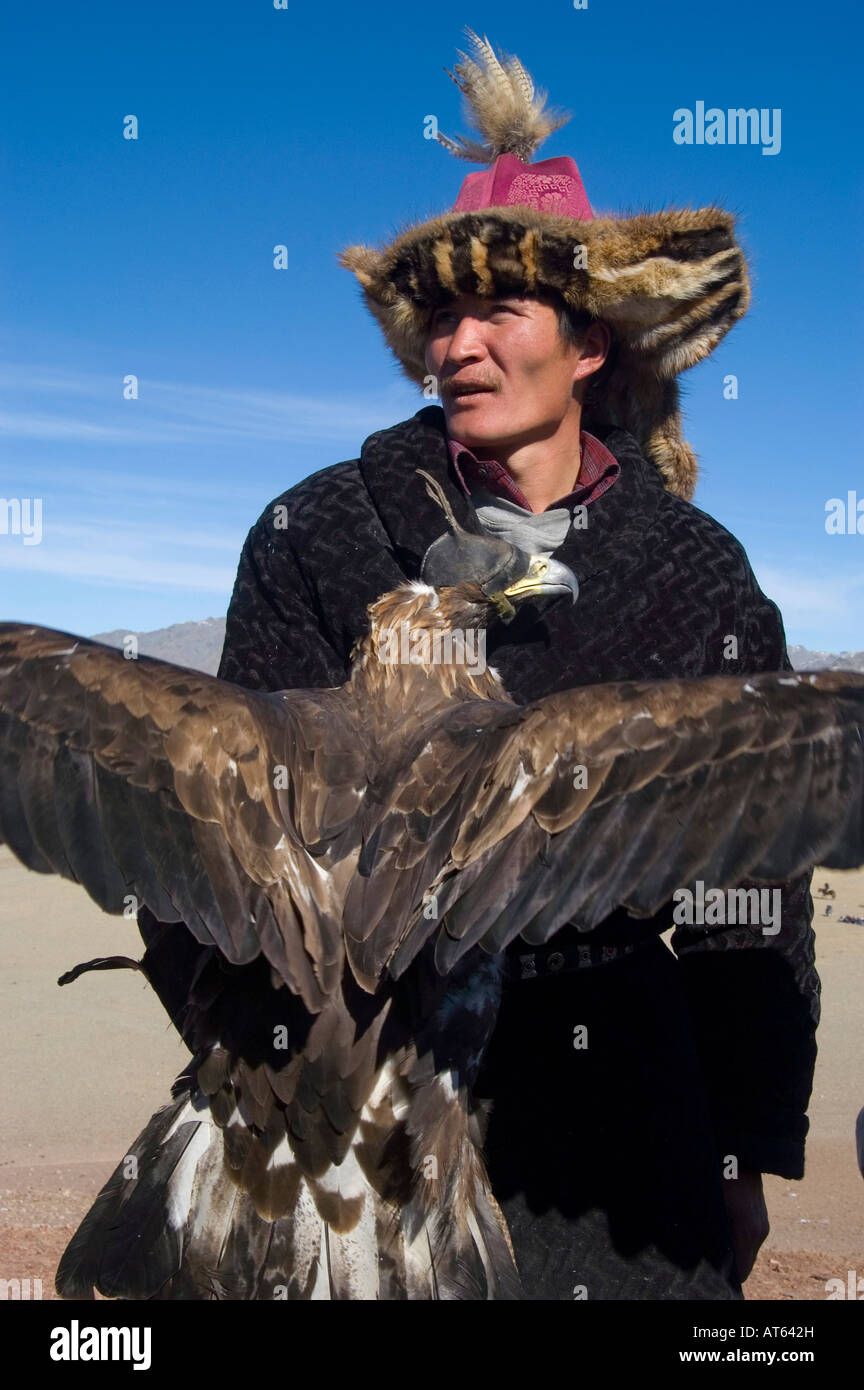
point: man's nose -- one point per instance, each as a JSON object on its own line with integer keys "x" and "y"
{"x": 467, "y": 341}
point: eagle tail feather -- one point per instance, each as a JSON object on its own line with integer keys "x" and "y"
{"x": 451, "y": 1204}
{"x": 472, "y": 1256}
{"x": 125, "y": 1247}
{"x": 172, "y": 1222}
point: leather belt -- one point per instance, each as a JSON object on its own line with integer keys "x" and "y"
{"x": 549, "y": 960}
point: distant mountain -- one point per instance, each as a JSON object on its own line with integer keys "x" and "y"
{"x": 199, "y": 645}
{"x": 805, "y": 660}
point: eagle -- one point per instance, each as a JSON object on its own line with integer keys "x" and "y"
{"x": 349, "y": 865}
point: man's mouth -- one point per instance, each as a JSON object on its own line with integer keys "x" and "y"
{"x": 466, "y": 388}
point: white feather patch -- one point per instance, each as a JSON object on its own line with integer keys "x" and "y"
{"x": 178, "y": 1195}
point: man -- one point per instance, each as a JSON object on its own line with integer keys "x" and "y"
{"x": 636, "y": 1098}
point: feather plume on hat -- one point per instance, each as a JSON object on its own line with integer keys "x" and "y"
{"x": 669, "y": 284}
{"x": 502, "y": 106}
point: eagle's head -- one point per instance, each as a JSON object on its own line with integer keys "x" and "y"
{"x": 433, "y": 632}
{"x": 494, "y": 573}
{"x": 490, "y": 575}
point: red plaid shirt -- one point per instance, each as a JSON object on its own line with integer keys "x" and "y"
{"x": 599, "y": 470}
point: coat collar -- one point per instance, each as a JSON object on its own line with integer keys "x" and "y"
{"x": 413, "y": 521}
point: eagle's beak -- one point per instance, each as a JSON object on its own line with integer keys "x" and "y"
{"x": 545, "y": 576}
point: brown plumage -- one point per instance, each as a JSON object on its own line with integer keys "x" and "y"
{"x": 351, "y": 863}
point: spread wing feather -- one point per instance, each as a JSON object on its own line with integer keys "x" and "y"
{"x": 142, "y": 779}
{"x": 616, "y": 794}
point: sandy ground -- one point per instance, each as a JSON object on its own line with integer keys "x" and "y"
{"x": 86, "y": 1065}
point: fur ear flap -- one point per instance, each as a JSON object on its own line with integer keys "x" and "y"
{"x": 648, "y": 408}
{"x": 677, "y": 462}
{"x": 363, "y": 261}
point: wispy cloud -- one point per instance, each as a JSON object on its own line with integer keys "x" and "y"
{"x": 149, "y": 536}
{"x": 136, "y": 519}
{"x": 807, "y": 599}
{"x": 137, "y": 569}
{"x": 88, "y": 408}
{"x": 109, "y": 482}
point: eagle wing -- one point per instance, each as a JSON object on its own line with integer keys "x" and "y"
{"x": 507, "y": 820}
{"x": 608, "y": 795}
{"x": 229, "y": 810}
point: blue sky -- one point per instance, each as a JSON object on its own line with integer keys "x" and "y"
{"x": 304, "y": 126}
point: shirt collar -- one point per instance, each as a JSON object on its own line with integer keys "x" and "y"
{"x": 598, "y": 471}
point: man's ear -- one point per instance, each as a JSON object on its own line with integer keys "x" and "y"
{"x": 593, "y": 351}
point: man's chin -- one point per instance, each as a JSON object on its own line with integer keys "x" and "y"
{"x": 474, "y": 419}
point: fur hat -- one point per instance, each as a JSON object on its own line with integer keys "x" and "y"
{"x": 669, "y": 284}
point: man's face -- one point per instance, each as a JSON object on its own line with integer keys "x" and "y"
{"x": 511, "y": 348}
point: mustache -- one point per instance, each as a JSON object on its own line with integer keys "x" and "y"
{"x": 451, "y": 386}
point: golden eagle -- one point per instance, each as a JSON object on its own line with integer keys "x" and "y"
{"x": 353, "y": 863}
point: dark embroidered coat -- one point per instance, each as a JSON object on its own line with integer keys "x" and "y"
{"x": 607, "y": 1159}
